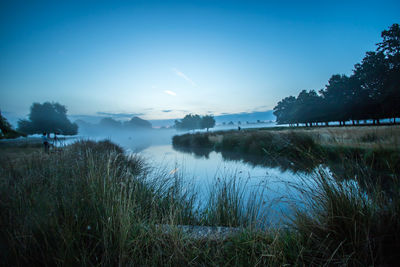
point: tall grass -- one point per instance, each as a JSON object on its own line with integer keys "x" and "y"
{"x": 342, "y": 224}
{"x": 231, "y": 203}
{"x": 84, "y": 203}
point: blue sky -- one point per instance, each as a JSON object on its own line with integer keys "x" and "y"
{"x": 165, "y": 59}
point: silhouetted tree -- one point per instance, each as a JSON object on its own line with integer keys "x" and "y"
{"x": 6, "y": 130}
{"x": 110, "y": 122}
{"x": 207, "y": 122}
{"x": 284, "y": 110}
{"x": 305, "y": 108}
{"x": 194, "y": 121}
{"x": 47, "y": 117}
{"x": 137, "y": 122}
{"x": 390, "y": 47}
{"x": 336, "y": 98}
{"x": 371, "y": 92}
{"x": 371, "y": 75}
{"x": 189, "y": 122}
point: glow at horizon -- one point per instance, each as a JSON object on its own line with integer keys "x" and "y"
{"x": 166, "y": 59}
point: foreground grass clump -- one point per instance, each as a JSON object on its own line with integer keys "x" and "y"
{"x": 81, "y": 205}
{"x": 342, "y": 224}
{"x": 90, "y": 204}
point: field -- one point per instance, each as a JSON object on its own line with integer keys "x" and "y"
{"x": 91, "y": 204}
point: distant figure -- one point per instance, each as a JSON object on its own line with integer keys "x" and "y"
{"x": 55, "y": 139}
{"x": 239, "y": 128}
{"x": 45, "y": 141}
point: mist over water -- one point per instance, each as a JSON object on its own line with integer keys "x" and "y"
{"x": 201, "y": 172}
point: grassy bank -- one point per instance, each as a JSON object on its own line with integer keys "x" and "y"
{"x": 302, "y": 149}
{"x": 90, "y": 204}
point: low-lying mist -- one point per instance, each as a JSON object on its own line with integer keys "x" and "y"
{"x": 135, "y": 139}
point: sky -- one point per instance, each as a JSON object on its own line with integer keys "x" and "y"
{"x": 165, "y": 59}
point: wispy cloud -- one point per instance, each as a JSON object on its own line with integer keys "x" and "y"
{"x": 182, "y": 75}
{"x": 119, "y": 115}
{"x": 167, "y": 110}
{"x": 168, "y": 92}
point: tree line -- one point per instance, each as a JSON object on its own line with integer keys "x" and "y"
{"x": 371, "y": 92}
{"x": 194, "y": 121}
{"x": 133, "y": 123}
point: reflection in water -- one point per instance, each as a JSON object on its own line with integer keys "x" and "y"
{"x": 204, "y": 168}
{"x": 340, "y": 166}
{"x": 282, "y": 163}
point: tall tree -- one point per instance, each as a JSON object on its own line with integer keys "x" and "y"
{"x": 371, "y": 74}
{"x": 306, "y": 107}
{"x": 48, "y": 117}
{"x": 336, "y": 99}
{"x": 390, "y": 47}
{"x": 285, "y": 110}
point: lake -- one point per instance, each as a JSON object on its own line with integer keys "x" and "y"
{"x": 273, "y": 184}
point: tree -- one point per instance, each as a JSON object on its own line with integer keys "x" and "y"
{"x": 390, "y": 47}
{"x": 336, "y": 97}
{"x": 284, "y": 110}
{"x": 207, "y": 122}
{"x": 48, "y": 117}
{"x": 189, "y": 122}
{"x": 110, "y": 123}
{"x": 6, "y": 130}
{"x": 371, "y": 74}
{"x": 5, "y": 126}
{"x": 137, "y": 122}
{"x": 306, "y": 105}
{"x": 194, "y": 121}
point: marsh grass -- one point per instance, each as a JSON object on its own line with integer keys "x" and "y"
{"x": 82, "y": 203}
{"x": 233, "y": 202}
{"x": 303, "y": 149}
{"x": 343, "y": 224}
{"x": 91, "y": 204}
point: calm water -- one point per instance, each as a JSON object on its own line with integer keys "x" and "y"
{"x": 273, "y": 184}
{"x": 202, "y": 172}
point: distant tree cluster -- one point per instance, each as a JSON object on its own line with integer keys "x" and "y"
{"x": 192, "y": 122}
{"x": 372, "y": 92}
{"x": 133, "y": 123}
{"x": 48, "y": 117}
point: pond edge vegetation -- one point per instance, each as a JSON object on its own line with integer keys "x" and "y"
{"x": 91, "y": 204}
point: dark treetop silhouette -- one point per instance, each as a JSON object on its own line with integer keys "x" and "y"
{"x": 372, "y": 92}
{"x": 191, "y": 122}
{"x": 48, "y": 117}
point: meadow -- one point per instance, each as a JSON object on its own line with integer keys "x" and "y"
{"x": 91, "y": 204}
